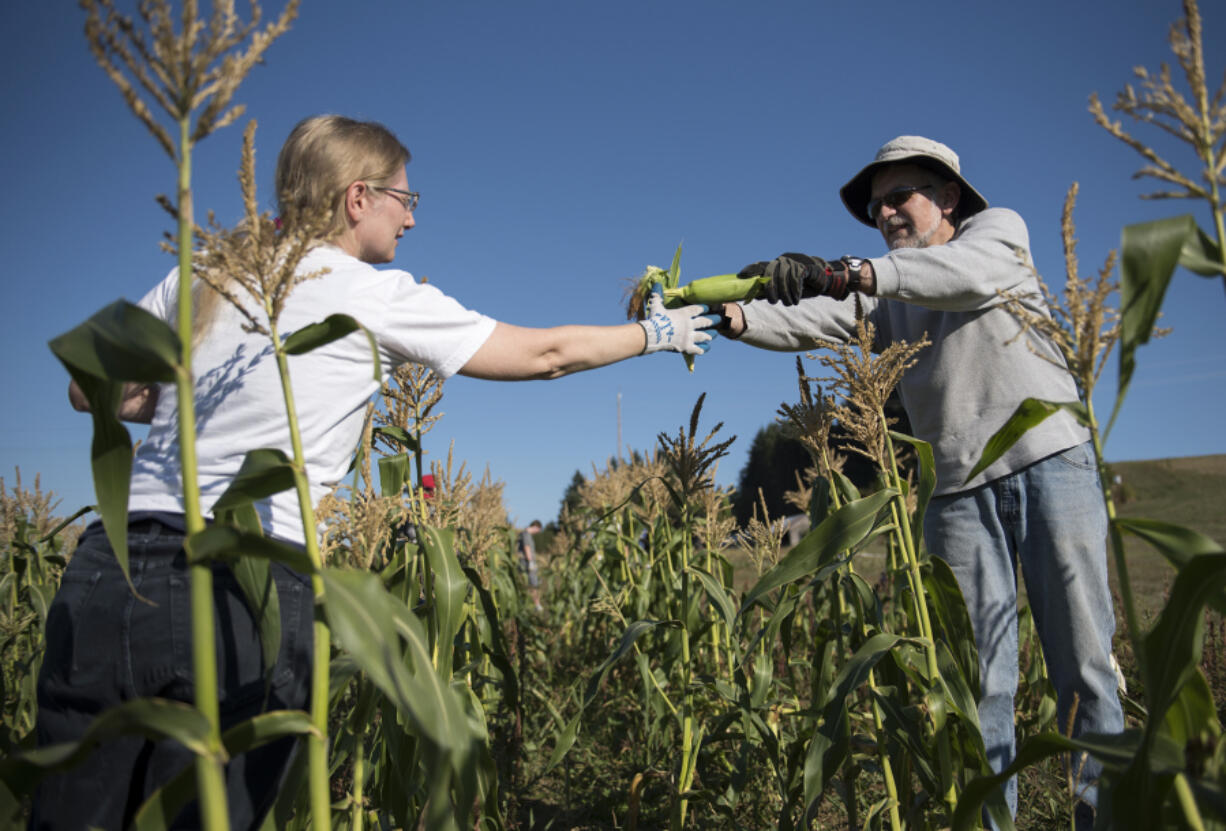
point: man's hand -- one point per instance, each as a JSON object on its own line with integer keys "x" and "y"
{"x": 793, "y": 276}
{"x": 676, "y": 330}
{"x": 731, "y": 319}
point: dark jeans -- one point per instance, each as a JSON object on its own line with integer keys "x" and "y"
{"x": 105, "y": 646}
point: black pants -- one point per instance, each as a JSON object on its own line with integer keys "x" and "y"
{"x": 106, "y": 646}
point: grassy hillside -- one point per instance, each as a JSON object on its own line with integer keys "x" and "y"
{"x": 1187, "y": 491}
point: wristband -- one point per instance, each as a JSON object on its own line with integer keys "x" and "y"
{"x": 854, "y": 266}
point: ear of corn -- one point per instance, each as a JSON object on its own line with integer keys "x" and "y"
{"x": 722, "y": 288}
{"x": 710, "y": 291}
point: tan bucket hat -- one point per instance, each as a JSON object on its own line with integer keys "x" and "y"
{"x": 915, "y": 150}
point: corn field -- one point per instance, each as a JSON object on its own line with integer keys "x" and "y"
{"x": 684, "y": 673}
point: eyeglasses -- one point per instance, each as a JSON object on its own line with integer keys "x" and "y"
{"x": 407, "y": 198}
{"x": 895, "y": 199}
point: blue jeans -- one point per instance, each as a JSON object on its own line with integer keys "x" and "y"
{"x": 1050, "y": 519}
{"x": 106, "y": 646}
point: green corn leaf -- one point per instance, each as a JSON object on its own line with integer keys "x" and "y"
{"x": 1141, "y": 796}
{"x": 49, "y": 537}
{"x": 41, "y": 595}
{"x": 1184, "y": 543}
{"x": 252, "y": 573}
{"x": 848, "y": 492}
{"x": 341, "y": 670}
{"x": 1116, "y": 752}
{"x": 952, "y": 623}
{"x": 934, "y": 703}
{"x": 828, "y": 748}
{"x": 254, "y": 577}
{"x": 842, "y": 530}
{"x": 264, "y": 471}
{"x": 1173, "y": 647}
{"x": 867, "y": 599}
{"x": 1030, "y": 413}
{"x": 394, "y": 473}
{"x": 121, "y": 343}
{"x": 780, "y": 615}
{"x": 1201, "y": 255}
{"x": 927, "y": 479}
{"x": 397, "y": 434}
{"x": 450, "y": 589}
{"x": 1149, "y": 252}
{"x": 672, "y": 279}
{"x": 390, "y": 644}
{"x": 243, "y": 517}
{"x": 763, "y": 672}
{"x": 635, "y": 630}
{"x": 154, "y": 718}
{"x": 820, "y": 501}
{"x": 877, "y": 809}
{"x": 1193, "y": 714}
{"x": 496, "y": 646}
{"x": 160, "y": 809}
{"x": 1178, "y": 544}
{"x": 719, "y": 596}
{"x": 674, "y": 271}
{"x": 961, "y": 698}
{"x": 226, "y": 544}
{"x": 333, "y": 327}
{"x": 1033, "y": 750}
{"x": 632, "y": 634}
{"x": 110, "y": 460}
{"x": 904, "y": 728}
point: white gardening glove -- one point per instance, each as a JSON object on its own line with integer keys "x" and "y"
{"x": 676, "y": 330}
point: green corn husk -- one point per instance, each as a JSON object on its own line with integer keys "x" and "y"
{"x": 722, "y": 288}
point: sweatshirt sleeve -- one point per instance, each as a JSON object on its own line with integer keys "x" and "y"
{"x": 990, "y": 253}
{"x": 811, "y": 324}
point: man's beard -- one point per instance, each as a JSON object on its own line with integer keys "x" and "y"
{"x": 914, "y": 240}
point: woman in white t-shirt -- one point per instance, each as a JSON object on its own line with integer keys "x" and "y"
{"x": 103, "y": 645}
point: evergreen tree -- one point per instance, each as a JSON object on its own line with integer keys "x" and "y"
{"x": 775, "y": 459}
{"x": 774, "y": 462}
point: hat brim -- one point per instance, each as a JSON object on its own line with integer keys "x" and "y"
{"x": 856, "y": 193}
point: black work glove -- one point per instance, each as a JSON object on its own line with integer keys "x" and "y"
{"x": 793, "y": 276}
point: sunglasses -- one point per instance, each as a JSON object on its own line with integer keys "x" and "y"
{"x": 895, "y": 199}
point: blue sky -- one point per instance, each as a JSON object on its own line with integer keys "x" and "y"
{"x": 560, "y": 147}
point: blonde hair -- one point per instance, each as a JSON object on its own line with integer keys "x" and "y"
{"x": 323, "y": 156}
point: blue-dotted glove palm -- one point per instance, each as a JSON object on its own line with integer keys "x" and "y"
{"x": 676, "y": 330}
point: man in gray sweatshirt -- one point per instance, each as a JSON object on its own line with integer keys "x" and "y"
{"x": 1040, "y": 504}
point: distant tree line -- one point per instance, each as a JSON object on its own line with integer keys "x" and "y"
{"x": 775, "y": 462}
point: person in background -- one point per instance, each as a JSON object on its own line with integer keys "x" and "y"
{"x": 104, "y": 645}
{"x": 950, "y": 258}
{"x": 527, "y": 561}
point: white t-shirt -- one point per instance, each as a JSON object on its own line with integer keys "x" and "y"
{"x": 240, "y": 405}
